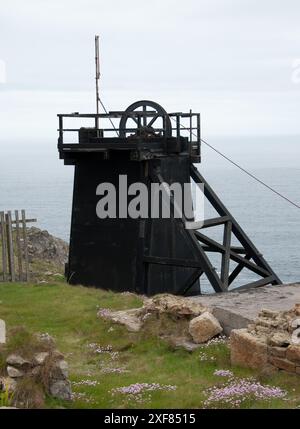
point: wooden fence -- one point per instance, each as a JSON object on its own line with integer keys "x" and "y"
{"x": 14, "y": 261}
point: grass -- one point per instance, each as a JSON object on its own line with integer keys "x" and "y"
{"x": 68, "y": 313}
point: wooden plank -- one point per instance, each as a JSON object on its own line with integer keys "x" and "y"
{"x": 238, "y": 250}
{"x": 18, "y": 245}
{"x": 259, "y": 283}
{"x": 189, "y": 263}
{"x": 25, "y": 244}
{"x": 10, "y": 247}
{"x": 4, "y": 249}
{"x": 208, "y": 223}
{"x": 27, "y": 221}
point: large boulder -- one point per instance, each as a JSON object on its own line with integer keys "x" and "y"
{"x": 204, "y": 327}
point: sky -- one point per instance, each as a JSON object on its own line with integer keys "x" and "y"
{"x": 235, "y": 61}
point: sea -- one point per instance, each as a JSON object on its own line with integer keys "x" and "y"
{"x": 32, "y": 177}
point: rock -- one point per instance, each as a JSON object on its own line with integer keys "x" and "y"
{"x": 17, "y": 361}
{"x": 293, "y": 353}
{"x": 297, "y": 309}
{"x": 57, "y": 355}
{"x": 61, "y": 389}
{"x": 36, "y": 371}
{"x": 173, "y": 304}
{"x": 59, "y": 370}
{"x": 39, "y": 358}
{"x": 282, "y": 364}
{"x": 268, "y": 370}
{"x": 128, "y": 318}
{"x": 268, "y": 313}
{"x": 2, "y": 332}
{"x": 14, "y": 372}
{"x": 277, "y": 351}
{"x": 230, "y": 319}
{"x": 204, "y": 327}
{"x": 247, "y": 350}
{"x": 63, "y": 367}
{"x": 46, "y": 339}
{"x": 279, "y": 339}
{"x": 44, "y": 246}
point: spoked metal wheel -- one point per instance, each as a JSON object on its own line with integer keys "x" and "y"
{"x": 145, "y": 118}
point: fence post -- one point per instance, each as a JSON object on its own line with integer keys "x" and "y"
{"x": 10, "y": 247}
{"x": 3, "y": 238}
{"x": 25, "y": 242}
{"x": 19, "y": 249}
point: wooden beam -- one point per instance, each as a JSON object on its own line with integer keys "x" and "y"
{"x": 27, "y": 221}
{"x": 188, "y": 263}
{"x": 259, "y": 283}
{"x": 237, "y": 271}
{"x": 235, "y": 249}
{"x": 190, "y": 281}
{"x": 226, "y": 255}
{"x": 208, "y": 223}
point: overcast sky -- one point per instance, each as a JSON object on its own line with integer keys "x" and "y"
{"x": 232, "y": 60}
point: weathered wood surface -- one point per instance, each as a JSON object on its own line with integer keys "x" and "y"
{"x": 14, "y": 262}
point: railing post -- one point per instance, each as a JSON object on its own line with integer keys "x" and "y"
{"x": 61, "y": 129}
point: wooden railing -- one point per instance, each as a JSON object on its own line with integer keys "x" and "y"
{"x": 14, "y": 260}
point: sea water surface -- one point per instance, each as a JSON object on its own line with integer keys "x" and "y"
{"x": 33, "y": 178}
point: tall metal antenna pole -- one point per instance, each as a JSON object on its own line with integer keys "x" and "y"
{"x": 97, "y": 63}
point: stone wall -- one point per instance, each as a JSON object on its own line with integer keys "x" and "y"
{"x": 270, "y": 342}
{"x": 33, "y": 371}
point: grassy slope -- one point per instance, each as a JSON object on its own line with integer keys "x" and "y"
{"x": 69, "y": 314}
